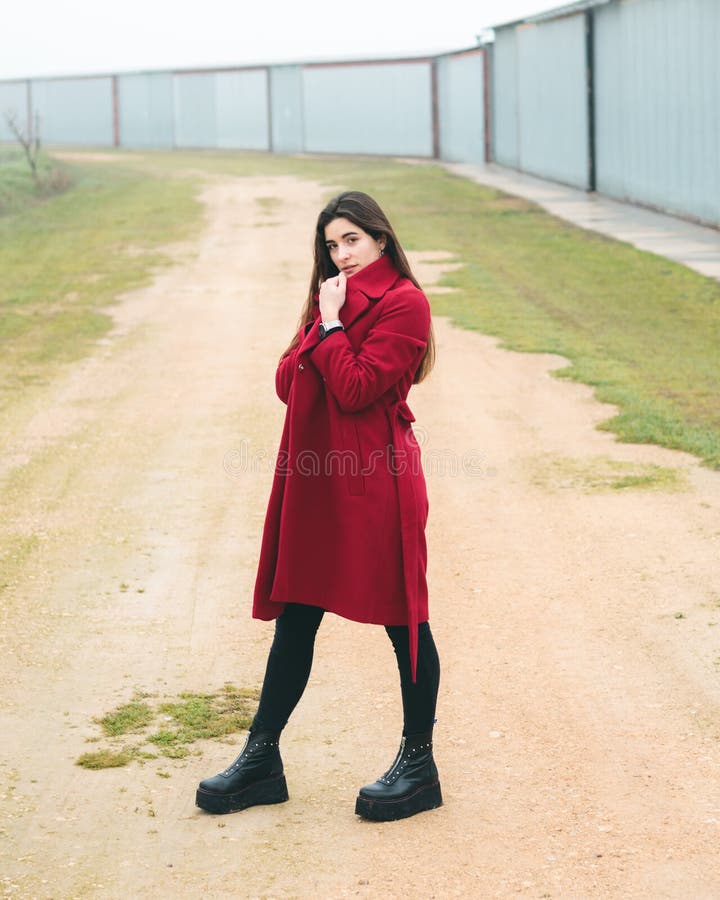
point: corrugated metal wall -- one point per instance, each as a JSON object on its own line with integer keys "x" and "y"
{"x": 222, "y": 109}
{"x": 505, "y": 122}
{"x": 145, "y": 103}
{"x": 243, "y": 110}
{"x": 552, "y": 100}
{"x": 286, "y": 104}
{"x": 540, "y": 104}
{"x": 381, "y": 108}
{"x": 655, "y": 79}
{"x": 657, "y": 101}
{"x": 195, "y": 110}
{"x": 461, "y": 107}
{"x": 391, "y": 107}
{"x": 75, "y": 110}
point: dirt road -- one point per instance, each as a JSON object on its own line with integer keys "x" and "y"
{"x": 579, "y": 628}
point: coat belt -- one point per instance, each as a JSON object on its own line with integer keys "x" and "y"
{"x": 409, "y": 519}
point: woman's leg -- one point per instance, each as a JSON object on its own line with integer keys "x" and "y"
{"x": 411, "y": 784}
{"x": 288, "y": 666}
{"x": 257, "y": 776}
{"x": 420, "y": 698}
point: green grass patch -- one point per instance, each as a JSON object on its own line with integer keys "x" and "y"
{"x": 171, "y": 726}
{"x": 601, "y": 474}
{"x": 269, "y": 205}
{"x": 203, "y": 716}
{"x": 129, "y": 717}
{"x": 105, "y": 759}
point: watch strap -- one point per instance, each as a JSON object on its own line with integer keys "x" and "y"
{"x": 326, "y": 328}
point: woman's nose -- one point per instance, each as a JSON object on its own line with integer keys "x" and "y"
{"x": 343, "y": 251}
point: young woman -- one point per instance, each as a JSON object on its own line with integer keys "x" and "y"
{"x": 345, "y": 525}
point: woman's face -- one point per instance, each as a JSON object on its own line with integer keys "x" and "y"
{"x": 351, "y": 248}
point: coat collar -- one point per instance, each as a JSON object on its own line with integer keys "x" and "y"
{"x": 367, "y": 287}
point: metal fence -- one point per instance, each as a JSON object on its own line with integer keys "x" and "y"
{"x": 618, "y": 96}
{"x": 425, "y": 107}
{"x": 540, "y": 101}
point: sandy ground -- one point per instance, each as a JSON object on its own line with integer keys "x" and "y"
{"x": 579, "y": 629}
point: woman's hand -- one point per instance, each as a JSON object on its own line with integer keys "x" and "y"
{"x": 332, "y": 296}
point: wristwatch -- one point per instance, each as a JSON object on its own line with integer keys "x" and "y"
{"x": 326, "y": 328}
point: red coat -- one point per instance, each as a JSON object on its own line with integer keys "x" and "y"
{"x": 345, "y": 524}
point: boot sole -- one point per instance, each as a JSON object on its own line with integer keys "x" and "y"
{"x": 426, "y": 797}
{"x": 262, "y": 793}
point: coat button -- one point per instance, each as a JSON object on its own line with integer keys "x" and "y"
{"x": 301, "y": 367}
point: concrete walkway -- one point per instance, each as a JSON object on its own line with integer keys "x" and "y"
{"x": 695, "y": 246}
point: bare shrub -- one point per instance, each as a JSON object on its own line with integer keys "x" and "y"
{"x": 29, "y": 142}
{"x": 55, "y": 181}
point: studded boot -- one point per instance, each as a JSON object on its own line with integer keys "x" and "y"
{"x": 409, "y": 786}
{"x": 255, "y": 778}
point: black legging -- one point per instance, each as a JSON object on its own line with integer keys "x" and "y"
{"x": 290, "y": 661}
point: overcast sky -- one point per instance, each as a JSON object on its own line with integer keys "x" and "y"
{"x": 61, "y": 37}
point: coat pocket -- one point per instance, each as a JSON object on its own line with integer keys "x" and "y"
{"x": 352, "y": 465}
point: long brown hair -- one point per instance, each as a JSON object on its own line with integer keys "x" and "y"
{"x": 364, "y": 212}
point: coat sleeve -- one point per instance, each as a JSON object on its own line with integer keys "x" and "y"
{"x": 287, "y": 367}
{"x": 393, "y": 346}
{"x": 285, "y": 374}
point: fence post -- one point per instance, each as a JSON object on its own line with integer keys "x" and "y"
{"x": 435, "y": 109}
{"x": 590, "y": 87}
{"x": 29, "y": 111}
{"x": 487, "y": 100}
{"x": 116, "y": 112}
{"x": 268, "y": 94}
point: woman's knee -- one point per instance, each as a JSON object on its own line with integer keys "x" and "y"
{"x": 398, "y": 634}
{"x": 298, "y": 620}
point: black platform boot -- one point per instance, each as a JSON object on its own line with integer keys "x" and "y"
{"x": 255, "y": 778}
{"x": 409, "y": 786}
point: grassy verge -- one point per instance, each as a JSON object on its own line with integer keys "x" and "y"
{"x": 643, "y": 331}
{"x": 65, "y": 260}
{"x": 18, "y": 190}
